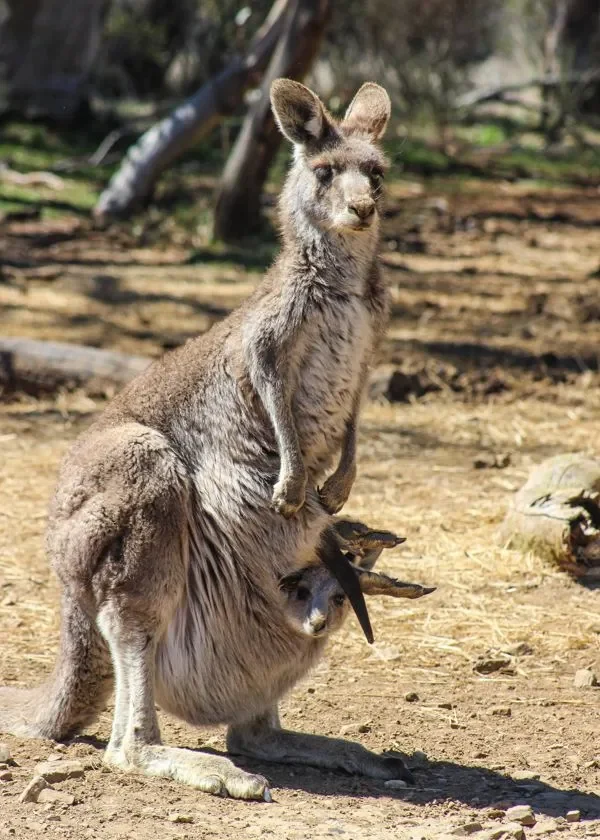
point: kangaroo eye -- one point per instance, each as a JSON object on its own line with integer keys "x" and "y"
{"x": 376, "y": 176}
{"x": 302, "y": 593}
{"x": 323, "y": 174}
{"x": 338, "y": 600}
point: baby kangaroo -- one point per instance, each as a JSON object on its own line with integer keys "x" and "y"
{"x": 179, "y": 510}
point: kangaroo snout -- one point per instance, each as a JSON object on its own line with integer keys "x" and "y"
{"x": 364, "y": 209}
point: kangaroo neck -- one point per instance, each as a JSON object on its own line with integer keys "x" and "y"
{"x": 329, "y": 259}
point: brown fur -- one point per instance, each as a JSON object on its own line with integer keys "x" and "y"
{"x": 179, "y": 510}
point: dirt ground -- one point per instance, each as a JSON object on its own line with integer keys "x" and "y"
{"x": 495, "y": 337}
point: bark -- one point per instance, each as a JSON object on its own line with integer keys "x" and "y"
{"x": 133, "y": 184}
{"x": 237, "y": 210}
{"x": 47, "y": 51}
{"x": 37, "y": 367}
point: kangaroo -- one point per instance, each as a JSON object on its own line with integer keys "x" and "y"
{"x": 178, "y": 511}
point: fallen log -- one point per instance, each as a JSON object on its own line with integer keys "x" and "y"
{"x": 38, "y": 367}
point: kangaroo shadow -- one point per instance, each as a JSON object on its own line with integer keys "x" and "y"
{"x": 435, "y": 782}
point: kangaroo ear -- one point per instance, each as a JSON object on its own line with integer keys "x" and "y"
{"x": 299, "y": 113}
{"x": 373, "y": 583}
{"x": 368, "y": 112}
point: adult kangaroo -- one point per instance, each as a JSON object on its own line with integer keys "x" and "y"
{"x": 181, "y": 508}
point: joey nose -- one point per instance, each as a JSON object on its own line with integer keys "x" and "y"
{"x": 363, "y": 209}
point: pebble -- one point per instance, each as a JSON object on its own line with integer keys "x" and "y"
{"x": 544, "y": 827}
{"x": 522, "y": 814}
{"x": 411, "y": 697}
{"x": 574, "y": 816}
{"x": 6, "y": 776}
{"x": 58, "y": 797}
{"x": 180, "y": 818}
{"x": 494, "y": 814}
{"x": 395, "y": 784}
{"x": 492, "y": 833}
{"x": 501, "y": 711}
{"x": 584, "y": 678}
{"x": 58, "y": 771}
{"x": 466, "y": 829}
{"x": 33, "y": 789}
{"x": 514, "y": 830}
{"x": 525, "y": 776}
{"x": 5, "y": 755}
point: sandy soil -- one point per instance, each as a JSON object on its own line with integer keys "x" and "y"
{"x": 496, "y": 325}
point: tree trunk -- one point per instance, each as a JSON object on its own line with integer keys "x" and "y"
{"x": 133, "y": 183}
{"x": 237, "y": 210}
{"x": 47, "y": 50}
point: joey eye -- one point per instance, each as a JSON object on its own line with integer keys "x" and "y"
{"x": 302, "y": 593}
{"x": 339, "y": 599}
{"x": 376, "y": 176}
{"x": 323, "y": 174}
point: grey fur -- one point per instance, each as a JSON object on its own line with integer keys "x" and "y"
{"x": 179, "y": 510}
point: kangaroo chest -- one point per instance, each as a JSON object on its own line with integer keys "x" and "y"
{"x": 335, "y": 344}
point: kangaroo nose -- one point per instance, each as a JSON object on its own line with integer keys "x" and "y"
{"x": 318, "y": 623}
{"x": 363, "y": 209}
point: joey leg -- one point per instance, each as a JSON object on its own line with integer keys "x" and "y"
{"x": 264, "y": 739}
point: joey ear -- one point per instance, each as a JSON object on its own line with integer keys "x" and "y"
{"x": 299, "y": 113}
{"x": 372, "y": 583}
{"x": 369, "y": 112}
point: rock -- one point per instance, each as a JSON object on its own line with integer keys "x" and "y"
{"x": 58, "y": 771}
{"x": 522, "y": 814}
{"x": 544, "y": 827}
{"x": 492, "y": 833}
{"x": 419, "y": 759}
{"x": 574, "y": 815}
{"x": 501, "y": 711}
{"x": 5, "y": 776}
{"x": 33, "y": 789}
{"x": 180, "y": 818}
{"x": 350, "y": 728}
{"x": 54, "y": 818}
{"x": 395, "y": 784}
{"x": 411, "y": 697}
{"x": 525, "y": 776}
{"x": 514, "y": 830}
{"x": 584, "y": 678}
{"x": 492, "y": 661}
{"x": 5, "y": 756}
{"x": 56, "y": 797}
{"x": 466, "y": 829}
{"x": 491, "y": 460}
{"x": 495, "y": 814}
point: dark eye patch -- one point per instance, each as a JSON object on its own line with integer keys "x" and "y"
{"x": 323, "y": 173}
{"x": 302, "y": 593}
{"x": 376, "y": 175}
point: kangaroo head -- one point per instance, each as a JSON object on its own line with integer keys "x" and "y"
{"x": 335, "y": 183}
{"x": 315, "y": 603}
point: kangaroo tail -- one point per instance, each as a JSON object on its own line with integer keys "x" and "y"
{"x": 76, "y": 691}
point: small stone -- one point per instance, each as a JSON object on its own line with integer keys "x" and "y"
{"x": 364, "y": 728}
{"x": 411, "y": 697}
{"x": 501, "y": 711}
{"x": 58, "y": 797}
{"x": 53, "y": 818}
{"x": 395, "y": 784}
{"x": 525, "y": 776}
{"x": 514, "y": 830}
{"x": 419, "y": 759}
{"x": 491, "y": 662}
{"x": 574, "y": 815}
{"x": 494, "y": 814}
{"x": 6, "y": 776}
{"x": 544, "y": 827}
{"x": 58, "y": 771}
{"x": 445, "y": 705}
{"x": 180, "y": 818}
{"x": 493, "y": 833}
{"x": 33, "y": 789}
{"x": 466, "y": 829}
{"x": 522, "y": 814}
{"x": 584, "y": 678}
